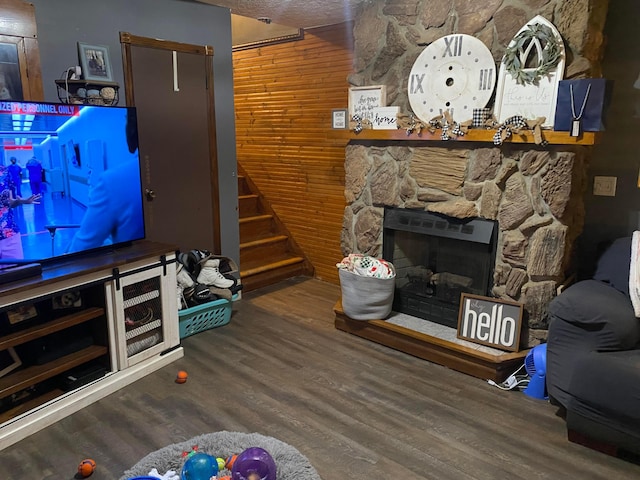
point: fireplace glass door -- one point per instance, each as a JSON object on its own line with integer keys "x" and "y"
{"x": 437, "y": 258}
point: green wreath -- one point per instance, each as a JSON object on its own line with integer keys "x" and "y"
{"x": 551, "y": 54}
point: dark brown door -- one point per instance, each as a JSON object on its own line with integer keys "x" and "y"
{"x": 171, "y": 86}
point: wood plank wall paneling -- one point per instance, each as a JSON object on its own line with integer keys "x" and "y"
{"x": 284, "y": 95}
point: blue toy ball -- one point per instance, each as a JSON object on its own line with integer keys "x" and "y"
{"x": 254, "y": 460}
{"x": 199, "y": 467}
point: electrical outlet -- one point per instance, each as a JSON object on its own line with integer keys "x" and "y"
{"x": 74, "y": 73}
{"x": 605, "y": 186}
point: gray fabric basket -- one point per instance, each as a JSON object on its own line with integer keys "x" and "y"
{"x": 366, "y": 298}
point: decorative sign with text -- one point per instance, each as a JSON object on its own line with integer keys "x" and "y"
{"x": 363, "y": 100}
{"x": 385, "y": 118}
{"x": 490, "y": 321}
{"x": 531, "y": 99}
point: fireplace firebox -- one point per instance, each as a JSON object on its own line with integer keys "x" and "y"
{"x": 437, "y": 258}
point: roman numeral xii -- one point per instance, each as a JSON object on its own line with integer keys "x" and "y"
{"x": 453, "y": 46}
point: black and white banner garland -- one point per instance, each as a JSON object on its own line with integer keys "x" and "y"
{"x": 515, "y": 125}
{"x": 409, "y": 123}
{"x": 449, "y": 126}
{"x": 357, "y": 123}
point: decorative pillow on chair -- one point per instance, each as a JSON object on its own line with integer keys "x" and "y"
{"x": 634, "y": 273}
{"x": 613, "y": 265}
{"x": 600, "y": 309}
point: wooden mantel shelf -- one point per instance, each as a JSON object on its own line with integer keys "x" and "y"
{"x": 473, "y": 135}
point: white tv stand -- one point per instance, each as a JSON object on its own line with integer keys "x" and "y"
{"x": 73, "y": 353}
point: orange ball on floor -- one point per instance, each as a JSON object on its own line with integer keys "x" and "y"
{"x": 86, "y": 467}
{"x": 181, "y": 377}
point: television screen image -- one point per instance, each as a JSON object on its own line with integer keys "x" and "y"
{"x": 70, "y": 180}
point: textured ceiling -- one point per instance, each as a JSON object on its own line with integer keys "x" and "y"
{"x": 293, "y": 13}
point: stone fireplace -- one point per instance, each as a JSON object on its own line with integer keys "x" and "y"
{"x": 532, "y": 193}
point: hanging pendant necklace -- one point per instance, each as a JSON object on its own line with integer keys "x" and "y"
{"x": 576, "y": 128}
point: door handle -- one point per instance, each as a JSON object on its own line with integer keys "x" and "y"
{"x": 150, "y": 194}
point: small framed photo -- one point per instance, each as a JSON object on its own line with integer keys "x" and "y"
{"x": 339, "y": 119}
{"x": 21, "y": 313}
{"x": 9, "y": 361}
{"x": 95, "y": 62}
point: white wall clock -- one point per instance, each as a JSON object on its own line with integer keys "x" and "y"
{"x": 532, "y": 89}
{"x": 456, "y": 73}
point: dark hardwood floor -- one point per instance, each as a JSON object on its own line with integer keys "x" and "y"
{"x": 356, "y": 409}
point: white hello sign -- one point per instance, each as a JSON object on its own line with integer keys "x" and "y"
{"x": 490, "y": 321}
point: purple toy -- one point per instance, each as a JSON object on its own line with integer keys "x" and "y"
{"x": 254, "y": 463}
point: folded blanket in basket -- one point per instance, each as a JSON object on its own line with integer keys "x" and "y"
{"x": 367, "y": 266}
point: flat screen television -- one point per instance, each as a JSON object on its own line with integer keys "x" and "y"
{"x": 82, "y": 165}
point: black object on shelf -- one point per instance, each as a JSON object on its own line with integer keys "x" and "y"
{"x": 17, "y": 271}
{"x": 88, "y": 92}
{"x": 82, "y": 375}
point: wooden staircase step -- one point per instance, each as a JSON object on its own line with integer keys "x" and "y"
{"x": 264, "y": 241}
{"x": 258, "y": 276}
{"x": 248, "y": 206}
{"x": 255, "y": 218}
{"x": 264, "y": 249}
{"x": 256, "y": 227}
{"x": 243, "y": 186}
{"x": 265, "y": 267}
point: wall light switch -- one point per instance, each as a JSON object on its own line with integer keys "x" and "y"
{"x": 605, "y": 186}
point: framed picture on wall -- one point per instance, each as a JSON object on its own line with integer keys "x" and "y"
{"x": 95, "y": 62}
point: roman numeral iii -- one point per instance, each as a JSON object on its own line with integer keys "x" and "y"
{"x": 486, "y": 79}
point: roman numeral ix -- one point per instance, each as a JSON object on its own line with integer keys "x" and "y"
{"x": 416, "y": 83}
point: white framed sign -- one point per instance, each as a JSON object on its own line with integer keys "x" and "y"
{"x": 531, "y": 100}
{"x": 363, "y": 100}
{"x": 490, "y": 321}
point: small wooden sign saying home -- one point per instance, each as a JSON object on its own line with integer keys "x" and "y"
{"x": 490, "y": 321}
